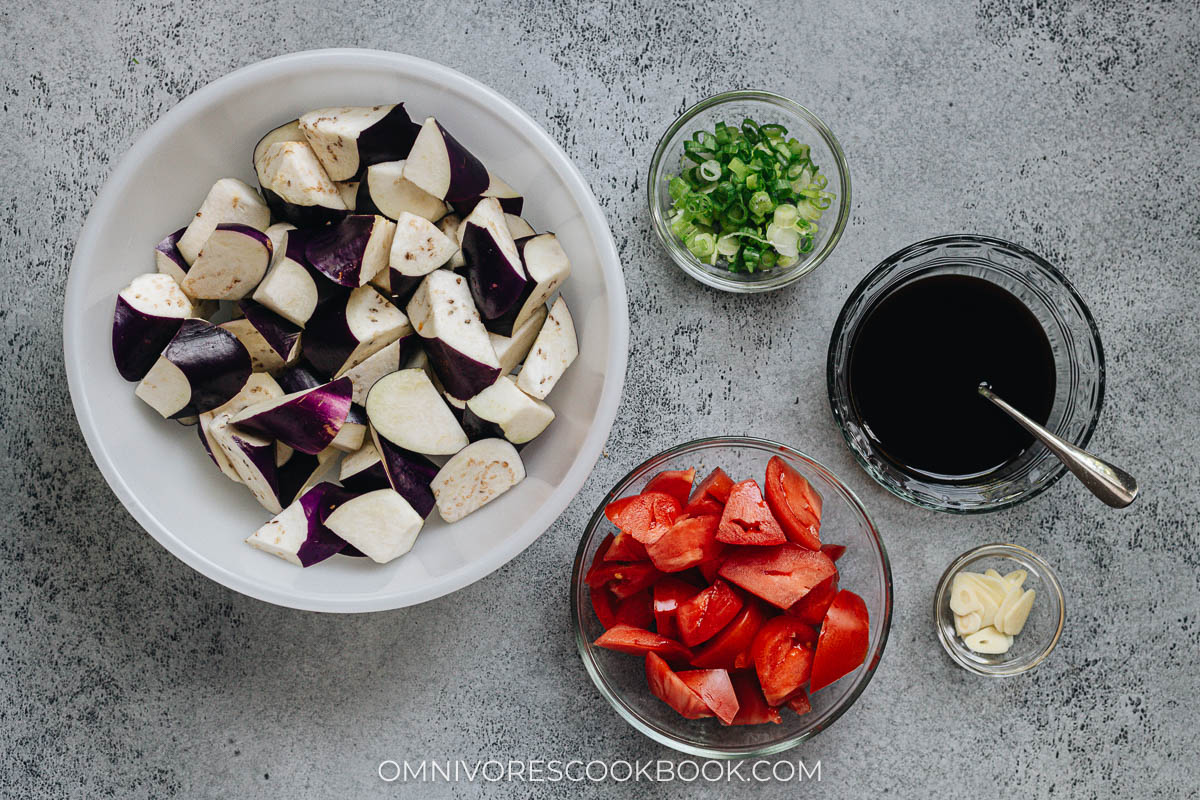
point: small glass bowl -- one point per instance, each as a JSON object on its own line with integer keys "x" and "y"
{"x": 764, "y": 108}
{"x": 1074, "y": 341}
{"x": 864, "y": 569}
{"x": 1042, "y": 630}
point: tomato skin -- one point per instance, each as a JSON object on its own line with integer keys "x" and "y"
{"x": 794, "y": 502}
{"x": 834, "y": 551}
{"x": 783, "y": 657}
{"x": 752, "y": 706}
{"x": 668, "y": 687}
{"x": 811, "y": 608}
{"x": 668, "y": 594}
{"x": 715, "y": 689}
{"x": 708, "y": 569}
{"x": 637, "y": 610}
{"x": 715, "y": 486}
{"x": 600, "y": 573}
{"x": 845, "y": 637}
{"x": 639, "y": 642}
{"x": 703, "y": 508}
{"x": 781, "y": 575}
{"x": 675, "y": 482}
{"x": 644, "y": 516}
{"x": 799, "y": 702}
{"x": 733, "y": 641}
{"x": 747, "y": 520}
{"x": 704, "y": 615}
{"x": 689, "y": 542}
{"x": 626, "y": 548}
{"x": 603, "y": 606}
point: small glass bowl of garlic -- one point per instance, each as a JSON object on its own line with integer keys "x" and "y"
{"x": 999, "y": 610}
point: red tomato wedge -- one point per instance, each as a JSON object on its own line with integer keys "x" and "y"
{"x": 752, "y": 706}
{"x": 704, "y": 615}
{"x": 636, "y": 610}
{"x": 629, "y": 579}
{"x": 747, "y": 520}
{"x": 689, "y": 542}
{"x": 715, "y": 689}
{"x": 626, "y": 548}
{"x": 675, "y": 482}
{"x": 703, "y": 508}
{"x": 811, "y": 608}
{"x": 799, "y": 703}
{"x": 668, "y": 594}
{"x": 603, "y": 605}
{"x": 708, "y": 570}
{"x": 639, "y": 641}
{"x": 644, "y": 516}
{"x": 845, "y": 636}
{"x": 795, "y": 503}
{"x": 716, "y": 486}
{"x": 783, "y": 657}
{"x": 670, "y": 688}
{"x": 734, "y": 640}
{"x": 781, "y": 575}
{"x": 834, "y": 551}
{"x": 600, "y": 573}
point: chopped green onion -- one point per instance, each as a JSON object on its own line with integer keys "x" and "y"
{"x": 702, "y": 245}
{"x": 710, "y": 170}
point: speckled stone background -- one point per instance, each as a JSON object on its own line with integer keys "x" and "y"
{"x": 1068, "y": 127}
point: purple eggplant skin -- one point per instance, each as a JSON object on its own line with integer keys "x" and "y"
{"x": 477, "y": 428}
{"x": 401, "y": 288}
{"x": 496, "y": 288}
{"x": 510, "y": 205}
{"x": 410, "y": 474}
{"x": 321, "y": 542}
{"x": 297, "y": 243}
{"x": 281, "y": 334}
{"x": 357, "y": 415}
{"x": 389, "y": 139}
{"x": 215, "y": 363}
{"x": 337, "y": 251}
{"x": 169, "y": 250}
{"x": 368, "y": 480}
{"x": 294, "y": 474}
{"x": 328, "y": 340}
{"x": 307, "y": 423}
{"x": 138, "y": 339}
{"x": 298, "y": 377}
{"x": 468, "y": 176}
{"x": 462, "y": 376}
{"x": 351, "y": 550}
{"x": 262, "y": 457}
{"x": 298, "y": 215}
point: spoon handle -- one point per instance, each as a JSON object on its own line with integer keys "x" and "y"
{"x": 1110, "y": 483}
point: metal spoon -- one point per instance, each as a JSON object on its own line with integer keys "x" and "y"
{"x": 1110, "y": 483}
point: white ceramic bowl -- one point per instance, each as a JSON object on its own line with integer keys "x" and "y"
{"x": 158, "y": 468}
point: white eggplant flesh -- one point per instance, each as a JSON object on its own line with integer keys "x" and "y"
{"x": 291, "y": 170}
{"x": 252, "y": 457}
{"x": 349, "y": 193}
{"x": 475, "y": 476}
{"x": 555, "y": 348}
{"x": 263, "y": 357}
{"x": 451, "y": 225}
{"x": 167, "y": 258}
{"x": 350, "y": 437}
{"x": 289, "y": 287}
{"x": 443, "y": 167}
{"x": 348, "y": 139}
{"x": 296, "y": 534}
{"x": 345, "y": 332}
{"x": 385, "y": 190}
{"x": 522, "y": 418}
{"x": 229, "y": 201}
{"x": 408, "y": 411}
{"x": 512, "y": 350}
{"x": 231, "y": 264}
{"x": 443, "y": 313}
{"x": 259, "y": 388}
{"x": 518, "y": 227}
{"x": 149, "y": 312}
{"x": 380, "y": 524}
{"x": 365, "y": 374}
{"x": 418, "y": 248}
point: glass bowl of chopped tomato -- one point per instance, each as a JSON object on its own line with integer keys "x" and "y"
{"x": 748, "y": 191}
{"x": 731, "y": 597}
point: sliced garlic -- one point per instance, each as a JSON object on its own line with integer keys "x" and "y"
{"x": 966, "y": 624}
{"x": 988, "y": 641}
{"x": 991, "y": 573}
{"x": 1016, "y": 578}
{"x": 963, "y": 597}
{"x": 1012, "y": 620}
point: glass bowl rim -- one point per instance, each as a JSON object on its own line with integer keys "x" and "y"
{"x": 1016, "y": 553}
{"x": 615, "y": 699}
{"x": 774, "y": 279}
{"x": 839, "y": 333}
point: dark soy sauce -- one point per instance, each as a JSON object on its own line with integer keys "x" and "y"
{"x": 916, "y": 364}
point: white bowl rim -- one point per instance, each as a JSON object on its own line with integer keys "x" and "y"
{"x": 542, "y": 518}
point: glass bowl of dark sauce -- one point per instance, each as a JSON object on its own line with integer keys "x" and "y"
{"x": 917, "y": 337}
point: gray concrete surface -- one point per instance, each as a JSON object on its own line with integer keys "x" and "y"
{"x": 1068, "y": 127}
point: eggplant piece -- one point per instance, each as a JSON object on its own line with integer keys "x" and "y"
{"x": 349, "y": 192}
{"x": 518, "y": 227}
{"x": 380, "y": 524}
{"x": 408, "y": 411}
{"x": 281, "y": 334}
{"x": 252, "y": 457}
{"x": 234, "y": 259}
{"x": 548, "y": 267}
{"x": 451, "y": 226}
{"x": 307, "y": 420}
{"x": 353, "y": 431}
{"x": 344, "y": 333}
{"x": 296, "y": 534}
{"x": 444, "y": 168}
{"x": 521, "y": 418}
{"x": 202, "y": 367}
{"x": 512, "y": 350}
{"x": 167, "y": 258}
{"x": 149, "y": 312}
{"x": 509, "y": 199}
{"x": 298, "y": 377}
{"x": 263, "y": 357}
{"x": 304, "y": 471}
{"x": 259, "y": 387}
{"x": 384, "y": 190}
{"x": 418, "y": 248}
{"x": 411, "y": 474}
{"x": 349, "y": 139}
{"x": 353, "y": 250}
{"x": 363, "y": 471}
{"x": 555, "y": 348}
{"x": 443, "y": 314}
{"x": 293, "y": 181}
{"x": 475, "y": 476}
{"x": 494, "y": 269}
{"x": 229, "y": 202}
{"x": 292, "y": 288}
{"x": 384, "y": 362}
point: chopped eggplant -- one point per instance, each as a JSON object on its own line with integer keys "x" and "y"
{"x": 411, "y": 474}
{"x": 252, "y": 457}
{"x": 307, "y": 420}
{"x": 418, "y": 248}
{"x": 553, "y": 351}
{"x": 444, "y": 168}
{"x": 229, "y": 202}
{"x": 294, "y": 183}
{"x": 380, "y": 524}
{"x": 349, "y": 192}
{"x": 353, "y": 431}
{"x": 384, "y": 362}
{"x": 299, "y": 377}
{"x": 353, "y": 250}
{"x": 259, "y": 388}
{"x": 443, "y": 314}
{"x": 234, "y": 259}
{"x": 263, "y": 357}
{"x": 384, "y": 190}
{"x": 451, "y": 225}
{"x": 408, "y": 411}
{"x": 521, "y": 417}
{"x": 512, "y": 350}
{"x": 475, "y": 476}
{"x": 303, "y": 471}
{"x": 202, "y": 367}
{"x": 518, "y": 227}
{"x": 548, "y": 267}
{"x": 344, "y": 333}
{"x": 296, "y": 534}
{"x": 510, "y": 200}
{"x": 363, "y": 470}
{"x": 281, "y": 334}
{"x": 149, "y": 312}
{"x": 167, "y": 258}
{"x": 292, "y": 288}
{"x": 349, "y": 139}
{"x": 494, "y": 269}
